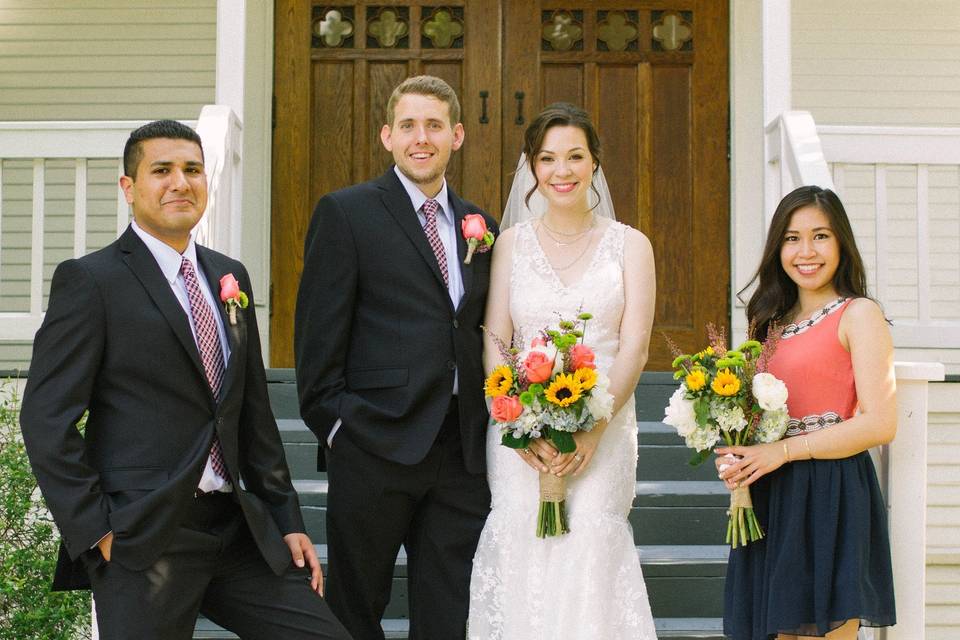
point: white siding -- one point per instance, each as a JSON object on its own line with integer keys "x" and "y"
{"x": 106, "y": 59}
{"x": 943, "y": 512}
{"x": 883, "y": 62}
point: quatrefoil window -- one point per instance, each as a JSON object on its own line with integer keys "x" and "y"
{"x": 388, "y": 28}
{"x": 672, "y": 32}
{"x": 333, "y": 28}
{"x": 563, "y": 31}
{"x": 442, "y": 28}
{"x": 616, "y": 31}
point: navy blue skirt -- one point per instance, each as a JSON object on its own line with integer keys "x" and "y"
{"x": 825, "y": 558}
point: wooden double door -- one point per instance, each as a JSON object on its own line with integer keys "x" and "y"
{"x": 652, "y": 74}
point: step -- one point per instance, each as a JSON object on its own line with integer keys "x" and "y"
{"x": 666, "y": 512}
{"x": 661, "y": 453}
{"x": 397, "y": 629}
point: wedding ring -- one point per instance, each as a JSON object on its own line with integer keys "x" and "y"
{"x": 577, "y": 457}
{"x": 525, "y": 450}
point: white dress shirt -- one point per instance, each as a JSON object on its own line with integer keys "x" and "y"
{"x": 169, "y": 261}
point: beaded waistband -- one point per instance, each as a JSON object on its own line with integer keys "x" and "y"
{"x": 814, "y": 422}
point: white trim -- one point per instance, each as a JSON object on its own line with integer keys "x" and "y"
{"x": 231, "y": 54}
{"x": 880, "y": 202}
{"x": 80, "y": 208}
{"x": 777, "y": 55}
{"x": 890, "y": 145}
{"x": 36, "y": 238}
{"x": 923, "y": 245}
{"x": 67, "y": 139}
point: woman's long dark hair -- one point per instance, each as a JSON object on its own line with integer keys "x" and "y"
{"x": 776, "y": 293}
{"x": 559, "y": 114}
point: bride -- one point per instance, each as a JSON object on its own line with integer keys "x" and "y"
{"x": 566, "y": 253}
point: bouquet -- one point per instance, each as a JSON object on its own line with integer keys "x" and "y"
{"x": 728, "y": 396}
{"x": 551, "y": 390}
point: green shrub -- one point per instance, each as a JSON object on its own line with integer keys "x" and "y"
{"x": 28, "y": 547}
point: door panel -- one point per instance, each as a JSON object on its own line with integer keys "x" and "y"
{"x": 653, "y": 75}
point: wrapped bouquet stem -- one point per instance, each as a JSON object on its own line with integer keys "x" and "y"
{"x": 552, "y": 517}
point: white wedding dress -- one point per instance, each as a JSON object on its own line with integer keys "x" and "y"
{"x": 586, "y": 584}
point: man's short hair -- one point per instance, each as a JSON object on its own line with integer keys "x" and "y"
{"x": 425, "y": 86}
{"x": 133, "y": 152}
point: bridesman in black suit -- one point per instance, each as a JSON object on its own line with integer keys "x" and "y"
{"x": 388, "y": 351}
{"x": 177, "y": 497}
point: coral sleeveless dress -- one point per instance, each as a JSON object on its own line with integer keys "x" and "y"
{"x": 826, "y": 555}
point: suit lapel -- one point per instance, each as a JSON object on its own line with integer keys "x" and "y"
{"x": 213, "y": 270}
{"x": 397, "y": 203}
{"x": 145, "y": 268}
{"x": 466, "y": 270}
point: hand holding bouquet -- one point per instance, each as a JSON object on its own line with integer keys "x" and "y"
{"x": 551, "y": 390}
{"x": 727, "y": 395}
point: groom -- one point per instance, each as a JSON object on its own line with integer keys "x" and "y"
{"x": 388, "y": 352}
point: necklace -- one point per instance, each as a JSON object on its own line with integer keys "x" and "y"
{"x": 579, "y": 255}
{"x": 577, "y": 236}
{"x": 569, "y": 235}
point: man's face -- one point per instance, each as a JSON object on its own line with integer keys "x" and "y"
{"x": 169, "y": 192}
{"x": 421, "y": 139}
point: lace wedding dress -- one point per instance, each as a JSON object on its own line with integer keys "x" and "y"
{"x": 588, "y": 583}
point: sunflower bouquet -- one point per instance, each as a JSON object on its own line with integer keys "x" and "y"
{"x": 727, "y": 395}
{"x": 550, "y": 390}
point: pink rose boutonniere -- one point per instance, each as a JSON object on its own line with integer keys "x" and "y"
{"x": 479, "y": 238}
{"x": 232, "y": 297}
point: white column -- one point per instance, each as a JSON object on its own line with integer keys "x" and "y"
{"x": 231, "y": 54}
{"x": 777, "y": 74}
{"x": 907, "y": 497}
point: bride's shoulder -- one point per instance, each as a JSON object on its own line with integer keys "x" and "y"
{"x": 506, "y": 238}
{"x": 636, "y": 245}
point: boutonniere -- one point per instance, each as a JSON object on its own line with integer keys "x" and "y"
{"x": 479, "y": 238}
{"x": 232, "y": 297}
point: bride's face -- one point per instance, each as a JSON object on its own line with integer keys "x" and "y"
{"x": 564, "y": 167}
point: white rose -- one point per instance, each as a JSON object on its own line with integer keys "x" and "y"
{"x": 771, "y": 393}
{"x": 600, "y": 403}
{"x": 680, "y": 414}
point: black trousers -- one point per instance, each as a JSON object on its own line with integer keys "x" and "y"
{"x": 435, "y": 509}
{"x": 212, "y": 566}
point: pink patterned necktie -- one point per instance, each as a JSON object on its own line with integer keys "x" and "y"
{"x": 430, "y": 208}
{"x": 211, "y": 352}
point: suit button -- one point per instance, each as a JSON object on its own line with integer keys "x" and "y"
{"x": 456, "y": 324}
{"x": 451, "y": 365}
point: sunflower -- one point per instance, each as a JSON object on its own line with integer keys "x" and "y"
{"x": 564, "y": 390}
{"x": 726, "y": 383}
{"x": 695, "y": 380}
{"x": 499, "y": 382}
{"x": 586, "y": 376}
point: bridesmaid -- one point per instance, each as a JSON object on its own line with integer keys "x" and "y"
{"x": 824, "y": 568}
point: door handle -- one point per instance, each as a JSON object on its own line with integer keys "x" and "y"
{"x": 483, "y": 107}
{"x": 519, "y": 96}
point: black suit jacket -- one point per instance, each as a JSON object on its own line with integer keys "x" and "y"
{"x": 377, "y": 338}
{"x": 115, "y": 341}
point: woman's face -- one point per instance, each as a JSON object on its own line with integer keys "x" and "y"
{"x": 564, "y": 168}
{"x": 809, "y": 250}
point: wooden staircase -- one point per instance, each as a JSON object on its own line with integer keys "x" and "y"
{"x": 678, "y": 518}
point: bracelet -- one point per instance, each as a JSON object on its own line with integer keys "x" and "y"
{"x": 786, "y": 451}
{"x": 806, "y": 443}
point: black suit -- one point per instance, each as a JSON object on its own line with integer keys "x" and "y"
{"x": 116, "y": 341}
{"x": 377, "y": 343}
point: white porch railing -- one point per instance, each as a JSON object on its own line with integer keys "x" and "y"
{"x": 61, "y": 206}
{"x": 900, "y": 186}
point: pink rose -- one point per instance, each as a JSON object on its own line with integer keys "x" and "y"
{"x": 538, "y": 342}
{"x": 581, "y": 356}
{"x": 538, "y": 366}
{"x": 506, "y": 408}
{"x": 473, "y": 226}
{"x": 229, "y": 287}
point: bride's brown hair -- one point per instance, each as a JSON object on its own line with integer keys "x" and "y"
{"x": 559, "y": 114}
{"x": 777, "y": 293}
